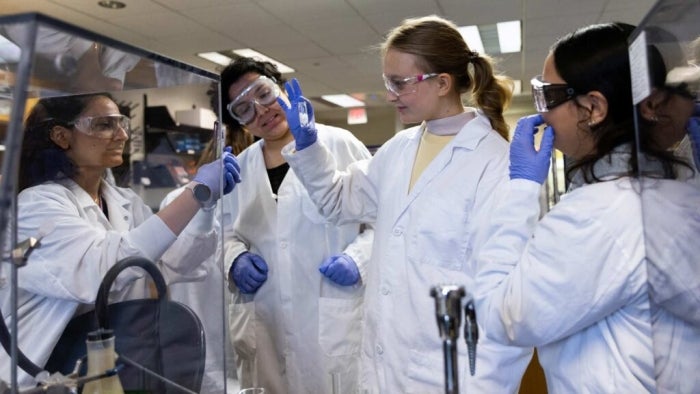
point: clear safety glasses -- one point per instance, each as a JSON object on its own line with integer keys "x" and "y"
{"x": 263, "y": 91}
{"x": 401, "y": 86}
{"x": 105, "y": 127}
{"x": 548, "y": 96}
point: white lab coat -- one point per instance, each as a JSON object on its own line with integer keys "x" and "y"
{"x": 299, "y": 328}
{"x": 206, "y": 298}
{"x": 423, "y": 238}
{"x": 575, "y": 285}
{"x": 61, "y": 277}
{"x": 672, "y": 230}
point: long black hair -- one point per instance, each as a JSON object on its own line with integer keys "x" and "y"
{"x": 595, "y": 58}
{"x": 42, "y": 159}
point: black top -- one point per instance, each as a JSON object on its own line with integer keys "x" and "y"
{"x": 276, "y": 176}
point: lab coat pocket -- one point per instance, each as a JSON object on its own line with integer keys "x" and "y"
{"x": 242, "y": 327}
{"x": 339, "y": 326}
{"x": 445, "y": 248}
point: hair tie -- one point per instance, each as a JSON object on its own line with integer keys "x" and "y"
{"x": 472, "y": 55}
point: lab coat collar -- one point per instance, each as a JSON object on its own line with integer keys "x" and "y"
{"x": 616, "y": 165}
{"x": 467, "y": 138}
{"x": 112, "y": 197}
{"x": 83, "y": 198}
{"x": 469, "y": 135}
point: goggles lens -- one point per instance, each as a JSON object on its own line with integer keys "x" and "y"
{"x": 263, "y": 91}
{"x": 400, "y": 86}
{"x": 548, "y": 96}
{"x": 103, "y": 126}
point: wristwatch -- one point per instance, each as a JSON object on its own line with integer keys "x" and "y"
{"x": 202, "y": 193}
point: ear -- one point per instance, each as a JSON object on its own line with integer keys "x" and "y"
{"x": 597, "y": 105}
{"x": 444, "y": 83}
{"x": 60, "y": 136}
{"x": 648, "y": 108}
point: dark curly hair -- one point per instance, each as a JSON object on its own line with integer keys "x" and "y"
{"x": 233, "y": 72}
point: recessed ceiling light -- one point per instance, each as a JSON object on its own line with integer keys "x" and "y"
{"x": 343, "y": 100}
{"x": 247, "y": 52}
{"x": 111, "y": 4}
{"x": 216, "y": 57}
{"x": 502, "y": 37}
{"x": 225, "y": 57}
{"x": 509, "y": 36}
{"x": 472, "y": 37}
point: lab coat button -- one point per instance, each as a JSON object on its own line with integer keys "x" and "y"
{"x": 283, "y": 245}
{"x": 385, "y": 290}
{"x": 379, "y": 349}
{"x": 398, "y": 231}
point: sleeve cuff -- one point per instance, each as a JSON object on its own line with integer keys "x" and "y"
{"x": 153, "y": 237}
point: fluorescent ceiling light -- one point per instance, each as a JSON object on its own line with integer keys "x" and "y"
{"x": 216, "y": 57}
{"x": 517, "y": 86}
{"x": 343, "y": 100}
{"x": 224, "y": 59}
{"x": 247, "y": 52}
{"x": 509, "y": 37}
{"x": 502, "y": 37}
{"x": 472, "y": 37}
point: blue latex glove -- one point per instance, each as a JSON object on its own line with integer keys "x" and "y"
{"x": 693, "y": 127}
{"x": 341, "y": 269}
{"x": 248, "y": 272}
{"x": 525, "y": 161}
{"x": 232, "y": 170}
{"x": 210, "y": 174}
{"x": 300, "y": 115}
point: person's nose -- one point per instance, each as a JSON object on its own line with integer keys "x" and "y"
{"x": 121, "y": 133}
{"x": 260, "y": 109}
{"x": 391, "y": 97}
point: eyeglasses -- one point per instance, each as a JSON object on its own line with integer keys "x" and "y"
{"x": 105, "y": 127}
{"x": 401, "y": 86}
{"x": 548, "y": 96}
{"x": 263, "y": 91}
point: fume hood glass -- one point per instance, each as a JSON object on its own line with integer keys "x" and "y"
{"x": 41, "y": 57}
{"x": 665, "y": 57}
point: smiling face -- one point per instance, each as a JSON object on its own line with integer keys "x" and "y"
{"x": 89, "y": 152}
{"x": 270, "y": 122}
{"x": 572, "y": 137}
{"x": 422, "y": 102}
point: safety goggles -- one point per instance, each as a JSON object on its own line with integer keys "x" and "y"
{"x": 105, "y": 127}
{"x": 548, "y": 96}
{"x": 401, "y": 86}
{"x": 263, "y": 91}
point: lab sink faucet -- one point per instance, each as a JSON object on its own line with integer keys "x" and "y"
{"x": 448, "y": 311}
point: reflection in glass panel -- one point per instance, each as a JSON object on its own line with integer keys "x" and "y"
{"x": 666, "y": 78}
{"x": 89, "y": 191}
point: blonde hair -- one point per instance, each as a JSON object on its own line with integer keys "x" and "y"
{"x": 440, "y": 48}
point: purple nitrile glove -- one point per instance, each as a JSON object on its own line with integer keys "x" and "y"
{"x": 525, "y": 161}
{"x": 693, "y": 127}
{"x": 248, "y": 272}
{"x": 341, "y": 269}
{"x": 300, "y": 115}
{"x": 210, "y": 174}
